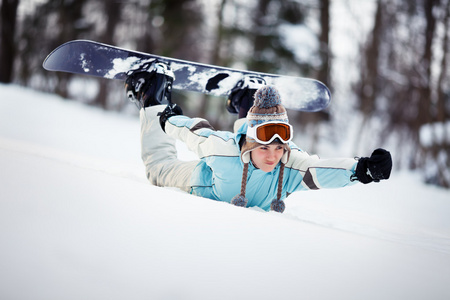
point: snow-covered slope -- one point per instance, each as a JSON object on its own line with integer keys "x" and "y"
{"x": 78, "y": 220}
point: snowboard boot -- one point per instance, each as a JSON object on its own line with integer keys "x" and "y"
{"x": 241, "y": 97}
{"x": 150, "y": 85}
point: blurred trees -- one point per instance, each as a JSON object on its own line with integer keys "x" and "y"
{"x": 404, "y": 83}
{"x": 401, "y": 92}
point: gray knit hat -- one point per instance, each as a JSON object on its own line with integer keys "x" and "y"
{"x": 267, "y": 107}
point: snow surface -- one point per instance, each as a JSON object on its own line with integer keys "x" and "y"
{"x": 78, "y": 220}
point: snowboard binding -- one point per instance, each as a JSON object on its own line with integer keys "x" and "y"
{"x": 150, "y": 85}
{"x": 240, "y": 98}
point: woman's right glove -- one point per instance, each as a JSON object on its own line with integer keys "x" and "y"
{"x": 374, "y": 168}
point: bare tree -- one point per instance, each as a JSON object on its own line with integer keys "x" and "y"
{"x": 181, "y": 28}
{"x": 112, "y": 11}
{"x": 312, "y": 120}
{"x": 8, "y": 13}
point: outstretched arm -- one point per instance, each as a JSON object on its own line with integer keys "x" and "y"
{"x": 315, "y": 173}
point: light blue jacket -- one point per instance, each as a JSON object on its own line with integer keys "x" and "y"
{"x": 218, "y": 174}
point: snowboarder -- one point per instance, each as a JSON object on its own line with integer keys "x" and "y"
{"x": 257, "y": 165}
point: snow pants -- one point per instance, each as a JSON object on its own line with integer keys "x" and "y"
{"x": 159, "y": 154}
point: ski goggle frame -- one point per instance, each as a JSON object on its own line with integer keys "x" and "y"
{"x": 267, "y": 132}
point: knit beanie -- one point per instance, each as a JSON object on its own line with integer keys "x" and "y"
{"x": 266, "y": 107}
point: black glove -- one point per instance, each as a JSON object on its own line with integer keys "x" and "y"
{"x": 374, "y": 168}
{"x": 171, "y": 110}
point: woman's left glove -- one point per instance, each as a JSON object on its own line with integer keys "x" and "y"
{"x": 374, "y": 168}
{"x": 171, "y": 110}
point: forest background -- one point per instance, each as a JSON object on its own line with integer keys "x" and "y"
{"x": 385, "y": 61}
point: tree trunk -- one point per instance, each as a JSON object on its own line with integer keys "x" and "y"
{"x": 215, "y": 58}
{"x": 368, "y": 87}
{"x": 325, "y": 55}
{"x": 7, "y": 47}
{"x": 112, "y": 11}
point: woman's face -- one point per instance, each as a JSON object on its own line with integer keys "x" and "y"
{"x": 267, "y": 157}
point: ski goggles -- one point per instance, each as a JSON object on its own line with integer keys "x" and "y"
{"x": 267, "y": 132}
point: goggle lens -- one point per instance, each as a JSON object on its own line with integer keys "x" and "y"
{"x": 265, "y": 132}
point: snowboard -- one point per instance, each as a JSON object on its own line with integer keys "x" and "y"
{"x": 102, "y": 60}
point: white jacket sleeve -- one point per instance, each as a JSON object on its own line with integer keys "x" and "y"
{"x": 201, "y": 138}
{"x": 319, "y": 173}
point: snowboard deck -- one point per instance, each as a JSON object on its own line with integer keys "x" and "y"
{"x": 101, "y": 60}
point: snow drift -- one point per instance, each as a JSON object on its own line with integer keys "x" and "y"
{"x": 78, "y": 220}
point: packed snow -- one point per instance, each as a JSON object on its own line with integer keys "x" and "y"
{"x": 79, "y": 220}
